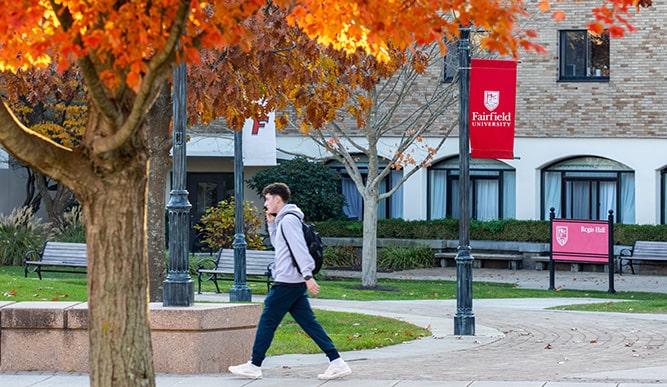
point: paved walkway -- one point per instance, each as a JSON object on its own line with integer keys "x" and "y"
{"x": 516, "y": 343}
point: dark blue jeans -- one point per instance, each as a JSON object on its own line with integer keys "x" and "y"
{"x": 293, "y": 299}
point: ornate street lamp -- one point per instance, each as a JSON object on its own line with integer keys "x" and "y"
{"x": 179, "y": 289}
{"x": 464, "y": 319}
{"x": 240, "y": 292}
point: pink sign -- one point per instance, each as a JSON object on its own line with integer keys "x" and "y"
{"x": 580, "y": 240}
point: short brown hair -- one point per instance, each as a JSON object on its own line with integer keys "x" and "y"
{"x": 280, "y": 189}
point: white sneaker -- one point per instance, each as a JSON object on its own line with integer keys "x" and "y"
{"x": 247, "y": 370}
{"x": 335, "y": 372}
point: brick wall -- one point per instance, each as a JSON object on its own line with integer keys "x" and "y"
{"x": 631, "y": 104}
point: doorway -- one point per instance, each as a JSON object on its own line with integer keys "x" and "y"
{"x": 206, "y": 189}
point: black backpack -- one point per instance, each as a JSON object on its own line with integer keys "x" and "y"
{"x": 314, "y": 243}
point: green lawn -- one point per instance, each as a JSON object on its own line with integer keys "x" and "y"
{"x": 53, "y": 287}
{"x": 61, "y": 287}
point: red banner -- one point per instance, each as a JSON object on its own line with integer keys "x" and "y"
{"x": 492, "y": 107}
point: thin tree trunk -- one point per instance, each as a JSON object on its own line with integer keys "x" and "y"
{"x": 54, "y": 206}
{"x": 369, "y": 245}
{"x": 31, "y": 200}
{"x": 159, "y": 143}
{"x": 119, "y": 333}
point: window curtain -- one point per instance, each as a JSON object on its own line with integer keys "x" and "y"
{"x": 438, "y": 194}
{"x": 396, "y": 200}
{"x": 607, "y": 199}
{"x": 353, "y": 200}
{"x": 454, "y": 202}
{"x": 509, "y": 195}
{"x": 382, "y": 204}
{"x": 627, "y": 198}
{"x": 578, "y": 195}
{"x": 456, "y": 213}
{"x": 487, "y": 199}
{"x": 552, "y": 189}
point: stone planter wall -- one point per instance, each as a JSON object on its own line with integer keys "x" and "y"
{"x": 53, "y": 336}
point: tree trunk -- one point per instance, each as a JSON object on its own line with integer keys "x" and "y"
{"x": 159, "y": 143}
{"x": 119, "y": 333}
{"x": 369, "y": 277}
{"x": 31, "y": 200}
{"x": 157, "y": 241}
{"x": 54, "y": 206}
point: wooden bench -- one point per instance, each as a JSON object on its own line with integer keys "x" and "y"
{"x": 513, "y": 260}
{"x": 649, "y": 252}
{"x": 258, "y": 264}
{"x": 61, "y": 257}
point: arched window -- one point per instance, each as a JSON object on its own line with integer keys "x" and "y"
{"x": 587, "y": 188}
{"x": 387, "y": 208}
{"x": 492, "y": 189}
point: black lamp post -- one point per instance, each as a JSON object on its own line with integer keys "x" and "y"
{"x": 464, "y": 320}
{"x": 179, "y": 289}
{"x": 240, "y": 292}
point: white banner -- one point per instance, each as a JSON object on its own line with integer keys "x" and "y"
{"x": 259, "y": 141}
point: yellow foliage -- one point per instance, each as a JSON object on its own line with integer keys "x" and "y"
{"x": 70, "y": 131}
{"x": 218, "y": 224}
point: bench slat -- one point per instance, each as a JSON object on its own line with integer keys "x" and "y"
{"x": 258, "y": 263}
{"x": 61, "y": 256}
{"x": 653, "y": 251}
{"x": 56, "y": 256}
{"x": 57, "y": 263}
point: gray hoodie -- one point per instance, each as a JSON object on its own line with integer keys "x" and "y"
{"x": 283, "y": 268}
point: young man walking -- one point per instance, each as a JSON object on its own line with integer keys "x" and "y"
{"x": 288, "y": 293}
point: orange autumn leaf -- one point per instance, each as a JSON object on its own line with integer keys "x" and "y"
{"x": 596, "y": 27}
{"x": 544, "y": 5}
{"x": 616, "y": 32}
{"x": 559, "y": 15}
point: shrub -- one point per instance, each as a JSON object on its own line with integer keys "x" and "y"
{"x": 341, "y": 256}
{"x": 73, "y": 228}
{"x": 20, "y": 232}
{"x": 493, "y": 230}
{"x": 626, "y": 234}
{"x": 218, "y": 224}
{"x": 404, "y": 258}
{"x": 339, "y": 228}
{"x": 448, "y": 229}
{"x": 315, "y": 187}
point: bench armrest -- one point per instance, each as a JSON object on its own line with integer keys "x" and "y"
{"x": 32, "y": 255}
{"x": 207, "y": 263}
{"x": 625, "y": 253}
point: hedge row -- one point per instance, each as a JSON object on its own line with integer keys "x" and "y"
{"x": 499, "y": 230}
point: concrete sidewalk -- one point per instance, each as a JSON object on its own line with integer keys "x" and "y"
{"x": 516, "y": 343}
